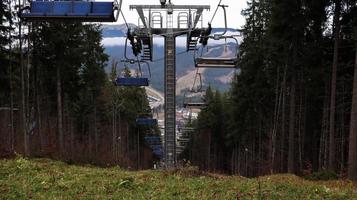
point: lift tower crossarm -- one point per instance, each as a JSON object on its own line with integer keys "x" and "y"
{"x": 175, "y": 7}
{"x": 140, "y": 9}
{"x": 142, "y": 17}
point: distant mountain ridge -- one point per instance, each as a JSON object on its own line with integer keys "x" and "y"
{"x": 119, "y": 30}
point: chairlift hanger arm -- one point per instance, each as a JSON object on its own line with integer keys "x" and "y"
{"x": 225, "y": 19}
{"x": 198, "y": 16}
{"x": 142, "y": 16}
{"x": 207, "y": 34}
{"x": 199, "y": 87}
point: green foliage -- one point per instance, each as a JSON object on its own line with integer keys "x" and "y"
{"x": 5, "y": 30}
{"x": 46, "y": 179}
{"x": 323, "y": 175}
{"x": 76, "y": 49}
{"x": 287, "y": 46}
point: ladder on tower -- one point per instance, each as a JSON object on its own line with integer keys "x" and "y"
{"x": 147, "y": 48}
{"x": 192, "y": 40}
{"x": 170, "y": 112}
{"x": 147, "y": 45}
{"x": 169, "y": 21}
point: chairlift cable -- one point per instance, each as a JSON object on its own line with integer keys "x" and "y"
{"x": 194, "y": 81}
{"x": 126, "y": 23}
{"x": 215, "y": 12}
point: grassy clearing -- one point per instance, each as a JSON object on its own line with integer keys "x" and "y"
{"x": 47, "y": 179}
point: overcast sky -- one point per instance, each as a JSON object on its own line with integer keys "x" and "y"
{"x": 235, "y": 20}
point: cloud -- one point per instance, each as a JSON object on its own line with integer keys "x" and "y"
{"x": 229, "y": 33}
{"x": 113, "y": 41}
{"x": 158, "y": 41}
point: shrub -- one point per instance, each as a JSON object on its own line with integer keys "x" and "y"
{"x": 323, "y": 175}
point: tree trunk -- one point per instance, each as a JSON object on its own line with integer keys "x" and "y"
{"x": 283, "y": 120}
{"x": 114, "y": 134}
{"x": 72, "y": 138}
{"x": 23, "y": 107}
{"x": 29, "y": 114}
{"x": 127, "y": 141}
{"x": 342, "y": 133}
{"x": 324, "y": 131}
{"x": 12, "y": 132}
{"x": 138, "y": 149}
{"x": 209, "y": 151}
{"x": 291, "y": 152}
{"x": 332, "y": 144}
{"x": 59, "y": 111}
{"x": 118, "y": 139}
{"x": 272, "y": 142}
{"x": 352, "y": 152}
{"x": 38, "y": 91}
{"x": 260, "y": 150}
{"x": 38, "y": 109}
{"x": 96, "y": 138}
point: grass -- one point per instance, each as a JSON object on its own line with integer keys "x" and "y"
{"x": 46, "y": 179}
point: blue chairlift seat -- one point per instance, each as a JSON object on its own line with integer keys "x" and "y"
{"x": 152, "y": 138}
{"x": 154, "y": 142}
{"x": 158, "y": 153}
{"x": 71, "y": 10}
{"x": 157, "y": 146}
{"x": 131, "y": 81}
{"x": 146, "y": 122}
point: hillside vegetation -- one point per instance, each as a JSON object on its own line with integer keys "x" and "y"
{"x": 45, "y": 179}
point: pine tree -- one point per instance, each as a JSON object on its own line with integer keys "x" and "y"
{"x": 5, "y": 17}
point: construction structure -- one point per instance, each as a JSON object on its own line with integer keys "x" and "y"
{"x": 187, "y": 21}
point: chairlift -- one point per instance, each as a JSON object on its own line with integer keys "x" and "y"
{"x": 145, "y": 118}
{"x": 146, "y": 122}
{"x": 217, "y": 62}
{"x": 136, "y": 47}
{"x": 194, "y": 100}
{"x": 155, "y": 144}
{"x": 134, "y": 81}
{"x": 153, "y": 139}
{"x": 73, "y": 10}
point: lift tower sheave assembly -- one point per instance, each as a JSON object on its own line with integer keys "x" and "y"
{"x": 193, "y": 15}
